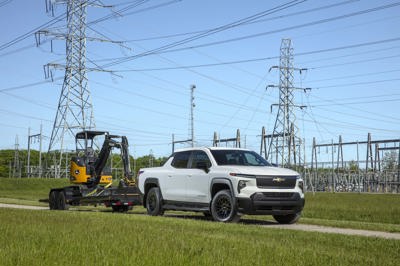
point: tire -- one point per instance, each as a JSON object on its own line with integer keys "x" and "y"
{"x": 60, "y": 201}
{"x": 287, "y": 219}
{"x": 223, "y": 207}
{"x": 53, "y": 200}
{"x": 154, "y": 202}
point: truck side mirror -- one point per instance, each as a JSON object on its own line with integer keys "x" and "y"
{"x": 203, "y": 166}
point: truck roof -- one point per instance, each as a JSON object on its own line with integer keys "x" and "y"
{"x": 210, "y": 148}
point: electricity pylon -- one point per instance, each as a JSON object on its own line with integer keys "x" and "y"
{"x": 284, "y": 142}
{"x": 75, "y": 110}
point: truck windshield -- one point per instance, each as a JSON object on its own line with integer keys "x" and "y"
{"x": 239, "y": 157}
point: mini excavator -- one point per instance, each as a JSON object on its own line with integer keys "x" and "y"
{"x": 91, "y": 178}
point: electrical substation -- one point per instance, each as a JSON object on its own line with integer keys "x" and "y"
{"x": 342, "y": 165}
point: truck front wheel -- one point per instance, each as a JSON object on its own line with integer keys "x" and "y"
{"x": 153, "y": 202}
{"x": 223, "y": 207}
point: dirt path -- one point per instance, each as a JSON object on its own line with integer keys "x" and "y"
{"x": 335, "y": 230}
{"x": 26, "y": 207}
{"x": 299, "y": 227}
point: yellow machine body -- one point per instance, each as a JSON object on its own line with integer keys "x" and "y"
{"x": 78, "y": 173}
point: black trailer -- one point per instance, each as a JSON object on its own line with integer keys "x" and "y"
{"x": 120, "y": 199}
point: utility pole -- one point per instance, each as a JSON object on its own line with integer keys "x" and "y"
{"x": 34, "y": 138}
{"x": 192, "y": 106}
{"x": 151, "y": 158}
{"x": 16, "y": 165}
{"x": 284, "y": 142}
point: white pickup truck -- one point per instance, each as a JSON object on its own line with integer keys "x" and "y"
{"x": 223, "y": 183}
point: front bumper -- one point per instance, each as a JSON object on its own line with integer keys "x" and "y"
{"x": 275, "y": 203}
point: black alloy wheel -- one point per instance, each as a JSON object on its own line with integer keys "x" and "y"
{"x": 223, "y": 207}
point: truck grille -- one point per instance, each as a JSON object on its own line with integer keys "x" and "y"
{"x": 282, "y": 182}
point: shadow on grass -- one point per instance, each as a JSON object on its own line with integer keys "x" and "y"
{"x": 189, "y": 216}
{"x": 204, "y": 218}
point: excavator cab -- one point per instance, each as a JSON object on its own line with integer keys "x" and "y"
{"x": 88, "y": 167}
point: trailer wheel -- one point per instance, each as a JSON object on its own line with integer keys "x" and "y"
{"x": 53, "y": 200}
{"x": 153, "y": 202}
{"x": 61, "y": 203}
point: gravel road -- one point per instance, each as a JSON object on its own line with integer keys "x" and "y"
{"x": 299, "y": 227}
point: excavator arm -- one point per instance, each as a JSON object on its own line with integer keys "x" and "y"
{"x": 96, "y": 168}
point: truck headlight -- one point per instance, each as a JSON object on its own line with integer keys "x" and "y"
{"x": 241, "y": 185}
{"x": 301, "y": 185}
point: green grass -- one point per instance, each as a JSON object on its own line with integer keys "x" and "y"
{"x": 31, "y": 189}
{"x": 380, "y": 212}
{"x": 375, "y": 208}
{"x": 105, "y": 238}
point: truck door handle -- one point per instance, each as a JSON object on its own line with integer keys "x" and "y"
{"x": 169, "y": 175}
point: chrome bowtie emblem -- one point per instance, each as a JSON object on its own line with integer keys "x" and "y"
{"x": 278, "y": 179}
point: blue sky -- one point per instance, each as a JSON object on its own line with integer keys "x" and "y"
{"x": 351, "y": 51}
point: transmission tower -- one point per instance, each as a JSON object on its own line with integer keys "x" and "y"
{"x": 75, "y": 110}
{"x": 284, "y": 143}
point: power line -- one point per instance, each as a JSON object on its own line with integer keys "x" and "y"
{"x": 29, "y": 33}
{"x": 166, "y": 48}
{"x": 264, "y": 58}
{"x": 355, "y": 76}
{"x": 209, "y": 32}
{"x": 359, "y": 97}
{"x": 351, "y": 54}
{"x": 358, "y": 109}
{"x": 352, "y": 115}
{"x": 360, "y": 102}
{"x": 358, "y": 83}
{"x": 248, "y": 23}
{"x": 25, "y": 115}
{"x": 29, "y": 100}
{"x": 28, "y": 85}
{"x": 5, "y": 2}
{"x": 356, "y": 62}
{"x": 351, "y": 125}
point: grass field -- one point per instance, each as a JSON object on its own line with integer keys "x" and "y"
{"x": 379, "y": 212}
{"x": 105, "y": 238}
{"x": 361, "y": 211}
{"x": 31, "y": 189}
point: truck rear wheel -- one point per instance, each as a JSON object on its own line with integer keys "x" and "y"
{"x": 223, "y": 207}
{"x": 154, "y": 202}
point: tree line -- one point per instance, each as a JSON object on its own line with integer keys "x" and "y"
{"x": 14, "y": 164}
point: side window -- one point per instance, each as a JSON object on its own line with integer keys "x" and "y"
{"x": 199, "y": 157}
{"x": 181, "y": 159}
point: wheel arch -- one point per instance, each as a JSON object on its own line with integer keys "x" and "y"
{"x": 148, "y": 184}
{"x": 218, "y": 184}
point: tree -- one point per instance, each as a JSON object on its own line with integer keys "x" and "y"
{"x": 353, "y": 166}
{"x": 389, "y": 160}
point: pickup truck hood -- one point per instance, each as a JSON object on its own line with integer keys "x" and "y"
{"x": 258, "y": 170}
